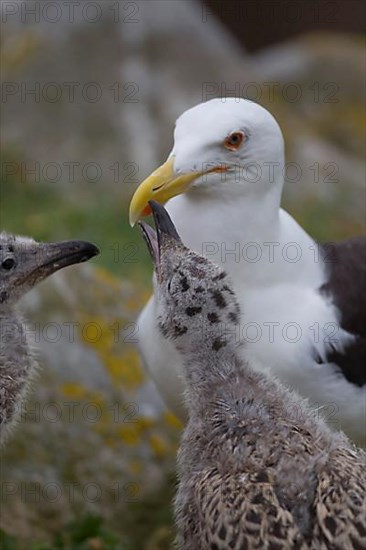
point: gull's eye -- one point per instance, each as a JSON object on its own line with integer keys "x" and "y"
{"x": 234, "y": 140}
{"x": 8, "y": 264}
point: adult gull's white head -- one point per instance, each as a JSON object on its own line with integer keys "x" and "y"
{"x": 225, "y": 146}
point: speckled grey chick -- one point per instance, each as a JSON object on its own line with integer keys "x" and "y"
{"x": 258, "y": 469}
{"x": 23, "y": 264}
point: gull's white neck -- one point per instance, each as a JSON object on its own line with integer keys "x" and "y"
{"x": 250, "y": 236}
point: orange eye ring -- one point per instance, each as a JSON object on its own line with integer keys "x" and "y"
{"x": 233, "y": 141}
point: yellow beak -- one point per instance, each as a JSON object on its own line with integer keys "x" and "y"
{"x": 160, "y": 186}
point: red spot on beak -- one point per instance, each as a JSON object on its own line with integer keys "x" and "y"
{"x": 147, "y": 210}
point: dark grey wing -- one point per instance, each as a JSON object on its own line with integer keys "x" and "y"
{"x": 346, "y": 285}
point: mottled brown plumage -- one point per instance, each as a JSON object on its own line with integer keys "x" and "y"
{"x": 258, "y": 469}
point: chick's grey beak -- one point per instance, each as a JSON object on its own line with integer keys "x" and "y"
{"x": 165, "y": 231}
{"x": 163, "y": 222}
{"x": 151, "y": 240}
{"x": 50, "y": 257}
{"x": 58, "y": 255}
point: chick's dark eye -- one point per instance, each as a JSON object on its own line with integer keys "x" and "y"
{"x": 8, "y": 264}
{"x": 234, "y": 140}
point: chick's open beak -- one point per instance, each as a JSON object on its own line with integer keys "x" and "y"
{"x": 165, "y": 229}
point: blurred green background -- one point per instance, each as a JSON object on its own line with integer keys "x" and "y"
{"x": 69, "y": 165}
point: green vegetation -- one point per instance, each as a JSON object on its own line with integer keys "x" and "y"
{"x": 146, "y": 525}
{"x": 88, "y": 533}
{"x": 77, "y": 211}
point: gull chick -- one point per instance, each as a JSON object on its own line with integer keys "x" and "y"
{"x": 23, "y": 264}
{"x": 258, "y": 468}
